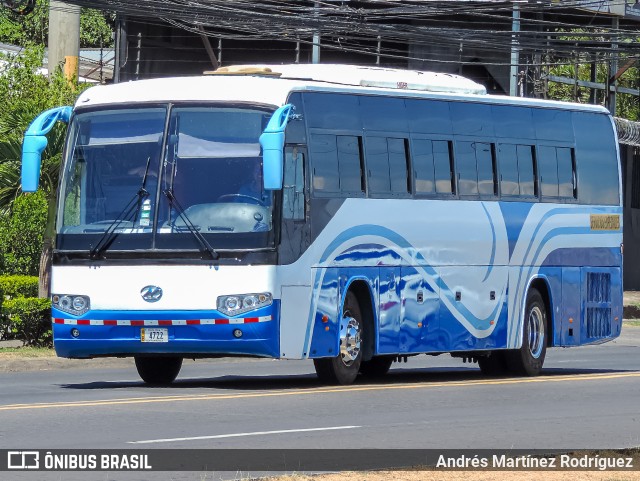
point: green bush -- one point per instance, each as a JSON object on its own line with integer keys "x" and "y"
{"x": 22, "y": 315}
{"x": 12, "y": 287}
{"x": 22, "y": 235}
{"x": 28, "y": 319}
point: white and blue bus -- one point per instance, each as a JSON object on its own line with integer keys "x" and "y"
{"x": 343, "y": 214}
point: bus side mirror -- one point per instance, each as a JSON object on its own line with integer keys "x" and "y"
{"x": 272, "y": 143}
{"x": 35, "y": 141}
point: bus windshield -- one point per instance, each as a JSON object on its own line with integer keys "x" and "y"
{"x": 157, "y": 174}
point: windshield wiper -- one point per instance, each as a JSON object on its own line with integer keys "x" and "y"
{"x": 173, "y": 202}
{"x": 109, "y": 235}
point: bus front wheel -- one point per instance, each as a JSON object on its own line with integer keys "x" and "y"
{"x": 344, "y": 368}
{"x": 528, "y": 360}
{"x": 377, "y": 366}
{"x": 158, "y": 370}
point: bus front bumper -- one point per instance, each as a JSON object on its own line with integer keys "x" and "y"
{"x": 181, "y": 333}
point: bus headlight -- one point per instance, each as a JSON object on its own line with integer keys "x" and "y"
{"x": 76, "y": 305}
{"x": 239, "y": 303}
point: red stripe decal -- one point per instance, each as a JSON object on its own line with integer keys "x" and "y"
{"x": 58, "y": 321}
{"x": 247, "y": 320}
{"x": 110, "y": 322}
{"x": 165, "y": 323}
{"x": 84, "y": 322}
{"x": 193, "y": 321}
{"x": 137, "y": 323}
{"x": 222, "y": 321}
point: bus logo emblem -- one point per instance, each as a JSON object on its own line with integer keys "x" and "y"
{"x": 151, "y": 293}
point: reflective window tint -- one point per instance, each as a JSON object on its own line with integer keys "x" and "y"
{"x": 548, "y": 166}
{"x": 471, "y": 119}
{"x": 377, "y": 156}
{"x": 557, "y": 171}
{"x": 526, "y": 170}
{"x": 386, "y": 165}
{"x": 466, "y": 168}
{"x": 596, "y": 159}
{"x": 516, "y": 170}
{"x": 423, "y": 166}
{"x": 485, "y": 164}
{"x": 398, "y": 166}
{"x": 428, "y": 116}
{"x": 332, "y": 111}
{"x": 565, "y": 172}
{"x": 380, "y": 113}
{"x": 513, "y": 122}
{"x": 509, "y": 179}
{"x": 476, "y": 168}
{"x": 349, "y": 163}
{"x": 324, "y": 155}
{"x": 443, "y": 162}
{"x": 553, "y": 124}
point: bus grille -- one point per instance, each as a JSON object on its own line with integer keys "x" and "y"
{"x": 598, "y": 304}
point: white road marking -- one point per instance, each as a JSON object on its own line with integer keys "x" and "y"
{"x": 237, "y": 435}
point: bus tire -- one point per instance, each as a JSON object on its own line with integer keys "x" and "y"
{"x": 494, "y": 364}
{"x": 377, "y": 366}
{"x": 343, "y": 368}
{"x": 158, "y": 370}
{"x": 528, "y": 360}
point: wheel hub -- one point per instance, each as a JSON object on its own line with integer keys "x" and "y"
{"x": 536, "y": 332}
{"x": 349, "y": 340}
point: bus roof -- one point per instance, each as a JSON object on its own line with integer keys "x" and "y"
{"x": 272, "y": 84}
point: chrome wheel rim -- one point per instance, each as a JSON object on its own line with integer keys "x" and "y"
{"x": 349, "y": 340}
{"x": 536, "y": 331}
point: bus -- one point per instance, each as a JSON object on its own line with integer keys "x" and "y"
{"x": 348, "y": 215}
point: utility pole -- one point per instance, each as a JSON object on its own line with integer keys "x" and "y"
{"x": 515, "y": 51}
{"x": 64, "y": 38}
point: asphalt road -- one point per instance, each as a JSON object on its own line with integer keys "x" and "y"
{"x": 586, "y": 398}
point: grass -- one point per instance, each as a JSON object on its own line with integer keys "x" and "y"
{"x": 25, "y": 352}
{"x": 632, "y": 323}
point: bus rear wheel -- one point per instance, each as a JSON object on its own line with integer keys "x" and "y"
{"x": 344, "y": 368}
{"x": 528, "y": 360}
{"x": 494, "y": 364}
{"x": 158, "y": 370}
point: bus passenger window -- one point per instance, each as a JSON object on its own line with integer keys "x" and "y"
{"x": 443, "y": 166}
{"x": 486, "y": 169}
{"x": 526, "y": 170}
{"x": 336, "y": 164}
{"x": 423, "y": 166}
{"x": 548, "y": 165}
{"x": 466, "y": 168}
{"x": 324, "y": 155}
{"x": 516, "y": 170}
{"x": 509, "y": 184}
{"x": 386, "y": 166}
{"x": 350, "y": 164}
{"x": 566, "y": 175}
{"x": 557, "y": 172}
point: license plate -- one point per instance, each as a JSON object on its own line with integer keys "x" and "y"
{"x": 154, "y": 334}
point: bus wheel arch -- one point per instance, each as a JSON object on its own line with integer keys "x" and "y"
{"x": 355, "y": 334}
{"x": 536, "y": 328}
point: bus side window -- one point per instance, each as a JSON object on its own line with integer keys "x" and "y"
{"x": 293, "y": 190}
{"x": 548, "y": 165}
{"x": 432, "y": 166}
{"x": 517, "y": 171}
{"x": 558, "y": 172}
{"x": 387, "y": 166}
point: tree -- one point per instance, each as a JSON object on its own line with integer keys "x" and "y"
{"x": 96, "y": 27}
{"x": 24, "y": 93}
